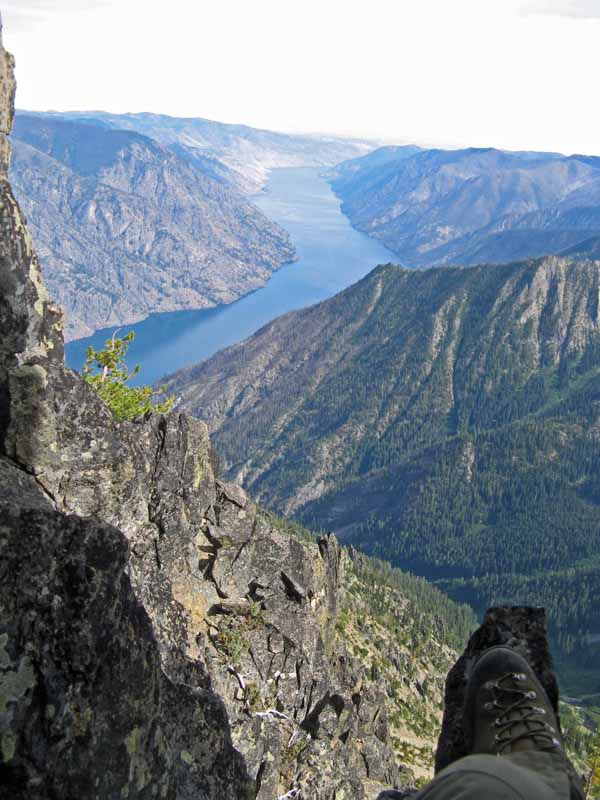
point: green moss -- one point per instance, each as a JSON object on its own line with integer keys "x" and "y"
{"x": 253, "y": 697}
{"x": 231, "y": 641}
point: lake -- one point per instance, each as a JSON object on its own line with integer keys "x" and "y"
{"x": 331, "y": 256}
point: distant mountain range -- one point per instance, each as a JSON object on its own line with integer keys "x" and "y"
{"x": 446, "y": 419}
{"x": 238, "y": 154}
{"x": 434, "y": 207}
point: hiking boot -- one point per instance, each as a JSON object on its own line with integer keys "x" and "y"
{"x": 507, "y": 710}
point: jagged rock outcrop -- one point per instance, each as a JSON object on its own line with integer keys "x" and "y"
{"x": 30, "y": 324}
{"x": 87, "y": 709}
{"x": 159, "y": 637}
{"x": 232, "y": 616}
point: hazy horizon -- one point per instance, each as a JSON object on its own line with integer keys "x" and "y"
{"x": 380, "y": 142}
{"x": 515, "y": 74}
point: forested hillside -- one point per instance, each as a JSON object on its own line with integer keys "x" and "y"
{"x": 125, "y": 227}
{"x": 446, "y": 419}
{"x": 471, "y": 206}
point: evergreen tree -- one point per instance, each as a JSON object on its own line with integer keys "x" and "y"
{"x": 106, "y": 371}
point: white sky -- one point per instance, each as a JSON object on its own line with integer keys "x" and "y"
{"x": 504, "y": 73}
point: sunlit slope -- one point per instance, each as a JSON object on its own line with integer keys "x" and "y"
{"x": 125, "y": 227}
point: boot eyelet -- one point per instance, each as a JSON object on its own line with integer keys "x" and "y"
{"x": 531, "y": 695}
{"x": 488, "y": 706}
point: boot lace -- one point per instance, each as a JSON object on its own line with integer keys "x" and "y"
{"x": 520, "y": 718}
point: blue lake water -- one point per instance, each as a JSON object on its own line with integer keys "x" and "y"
{"x": 331, "y": 256}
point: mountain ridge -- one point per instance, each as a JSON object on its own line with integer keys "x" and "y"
{"x": 248, "y": 153}
{"x": 470, "y": 206}
{"x": 126, "y": 227}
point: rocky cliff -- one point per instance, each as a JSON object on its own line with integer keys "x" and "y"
{"x": 124, "y": 227}
{"x": 160, "y": 637}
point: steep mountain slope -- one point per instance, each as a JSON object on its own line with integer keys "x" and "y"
{"x": 445, "y": 419}
{"x": 125, "y": 227}
{"x": 471, "y": 206}
{"x": 247, "y": 153}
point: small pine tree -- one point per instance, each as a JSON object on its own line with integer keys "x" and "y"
{"x": 106, "y": 371}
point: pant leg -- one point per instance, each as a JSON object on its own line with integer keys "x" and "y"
{"x": 487, "y": 777}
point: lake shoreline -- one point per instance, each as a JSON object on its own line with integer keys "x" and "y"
{"x": 330, "y": 256}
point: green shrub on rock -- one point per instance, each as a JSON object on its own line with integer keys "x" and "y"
{"x": 106, "y": 371}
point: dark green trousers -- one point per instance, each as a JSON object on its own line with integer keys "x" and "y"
{"x": 520, "y": 776}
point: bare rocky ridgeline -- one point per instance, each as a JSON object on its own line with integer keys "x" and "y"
{"x": 159, "y": 636}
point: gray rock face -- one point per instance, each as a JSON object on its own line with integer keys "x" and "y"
{"x": 29, "y": 323}
{"x": 235, "y": 613}
{"x": 158, "y": 636}
{"x": 86, "y": 708}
